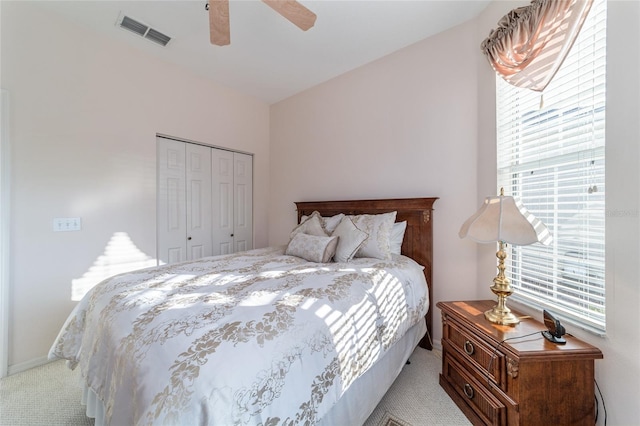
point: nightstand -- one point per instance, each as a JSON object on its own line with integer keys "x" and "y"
{"x": 522, "y": 381}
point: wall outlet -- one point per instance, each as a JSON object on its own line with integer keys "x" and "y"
{"x": 62, "y": 224}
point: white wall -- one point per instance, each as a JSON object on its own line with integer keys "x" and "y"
{"x": 84, "y": 116}
{"x": 403, "y": 126}
{"x": 617, "y": 374}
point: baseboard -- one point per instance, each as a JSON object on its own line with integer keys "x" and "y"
{"x": 437, "y": 345}
{"x": 24, "y": 366}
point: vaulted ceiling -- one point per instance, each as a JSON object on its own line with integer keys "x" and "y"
{"x": 269, "y": 57}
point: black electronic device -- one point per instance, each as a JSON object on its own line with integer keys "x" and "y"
{"x": 555, "y": 330}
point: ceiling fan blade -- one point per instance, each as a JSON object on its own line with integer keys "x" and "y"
{"x": 299, "y": 15}
{"x": 219, "y": 32}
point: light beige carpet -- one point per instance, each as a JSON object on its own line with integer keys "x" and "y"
{"x": 416, "y": 398}
{"x": 50, "y": 395}
{"x": 45, "y": 395}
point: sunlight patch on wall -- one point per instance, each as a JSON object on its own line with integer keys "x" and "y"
{"x": 120, "y": 255}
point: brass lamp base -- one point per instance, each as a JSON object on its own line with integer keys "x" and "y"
{"x": 501, "y": 314}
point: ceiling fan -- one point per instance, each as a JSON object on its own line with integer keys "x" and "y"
{"x": 219, "y": 32}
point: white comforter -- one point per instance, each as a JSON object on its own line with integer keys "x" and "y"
{"x": 249, "y": 338}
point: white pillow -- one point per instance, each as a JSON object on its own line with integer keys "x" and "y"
{"x": 378, "y": 226}
{"x": 329, "y": 223}
{"x": 312, "y": 248}
{"x": 397, "y": 236}
{"x": 350, "y": 239}
{"x": 312, "y": 226}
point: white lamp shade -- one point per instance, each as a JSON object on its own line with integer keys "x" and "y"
{"x": 504, "y": 218}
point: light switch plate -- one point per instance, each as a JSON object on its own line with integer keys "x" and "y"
{"x": 63, "y": 224}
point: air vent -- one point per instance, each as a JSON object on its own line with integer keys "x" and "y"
{"x": 142, "y": 30}
{"x": 133, "y": 25}
{"x": 157, "y": 36}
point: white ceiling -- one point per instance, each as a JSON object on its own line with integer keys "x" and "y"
{"x": 269, "y": 57}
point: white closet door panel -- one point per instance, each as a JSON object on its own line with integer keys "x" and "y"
{"x": 196, "y": 251}
{"x": 222, "y": 190}
{"x": 224, "y": 247}
{"x": 198, "y": 201}
{"x": 175, "y": 254}
{"x": 171, "y": 201}
{"x": 174, "y": 193}
{"x": 243, "y": 201}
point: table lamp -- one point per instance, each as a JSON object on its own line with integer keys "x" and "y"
{"x": 505, "y": 220}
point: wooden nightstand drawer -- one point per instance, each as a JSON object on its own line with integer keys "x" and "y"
{"x": 476, "y": 353}
{"x": 485, "y": 405}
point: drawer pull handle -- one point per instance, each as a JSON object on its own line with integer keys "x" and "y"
{"x": 468, "y": 390}
{"x": 468, "y": 347}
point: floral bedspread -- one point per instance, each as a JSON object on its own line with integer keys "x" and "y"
{"x": 256, "y": 337}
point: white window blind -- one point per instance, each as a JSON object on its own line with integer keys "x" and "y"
{"x": 551, "y": 156}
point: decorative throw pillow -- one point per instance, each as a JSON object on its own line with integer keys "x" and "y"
{"x": 378, "y": 226}
{"x": 311, "y": 226}
{"x": 329, "y": 223}
{"x": 332, "y": 222}
{"x": 350, "y": 240}
{"x": 312, "y": 248}
{"x": 397, "y": 236}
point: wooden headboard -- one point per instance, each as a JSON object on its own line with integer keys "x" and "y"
{"x": 418, "y": 238}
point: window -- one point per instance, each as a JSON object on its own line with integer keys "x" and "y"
{"x": 551, "y": 155}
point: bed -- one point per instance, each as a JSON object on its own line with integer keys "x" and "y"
{"x": 257, "y": 337}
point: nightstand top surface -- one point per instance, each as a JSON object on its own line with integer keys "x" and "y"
{"x": 471, "y": 314}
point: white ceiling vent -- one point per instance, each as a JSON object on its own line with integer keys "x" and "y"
{"x": 142, "y": 30}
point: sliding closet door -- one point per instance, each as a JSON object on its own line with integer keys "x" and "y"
{"x": 172, "y": 224}
{"x": 243, "y": 201}
{"x": 222, "y": 190}
{"x": 198, "y": 201}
